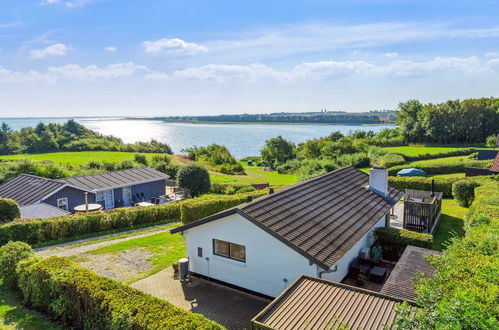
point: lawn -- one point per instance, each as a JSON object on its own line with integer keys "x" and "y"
{"x": 78, "y": 158}
{"x": 13, "y": 315}
{"x": 450, "y": 224}
{"x": 164, "y": 247}
{"x": 421, "y": 150}
{"x": 254, "y": 174}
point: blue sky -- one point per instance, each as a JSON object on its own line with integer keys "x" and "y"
{"x": 149, "y": 58}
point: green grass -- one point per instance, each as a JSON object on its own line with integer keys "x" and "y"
{"x": 450, "y": 175}
{"x": 165, "y": 247}
{"x": 13, "y": 315}
{"x": 450, "y": 225}
{"x": 421, "y": 150}
{"x": 255, "y": 175}
{"x": 78, "y": 158}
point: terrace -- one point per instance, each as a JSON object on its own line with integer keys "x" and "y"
{"x": 422, "y": 210}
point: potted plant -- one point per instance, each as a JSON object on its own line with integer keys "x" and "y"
{"x": 361, "y": 279}
{"x": 376, "y": 254}
{"x": 176, "y": 268}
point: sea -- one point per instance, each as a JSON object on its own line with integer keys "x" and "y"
{"x": 241, "y": 139}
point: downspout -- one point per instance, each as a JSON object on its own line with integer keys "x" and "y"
{"x": 328, "y": 271}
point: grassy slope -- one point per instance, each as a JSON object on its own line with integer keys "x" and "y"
{"x": 13, "y": 315}
{"x": 166, "y": 248}
{"x": 420, "y": 150}
{"x": 450, "y": 224}
{"x": 255, "y": 175}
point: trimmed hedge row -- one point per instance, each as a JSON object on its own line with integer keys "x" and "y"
{"x": 394, "y": 241}
{"x": 460, "y": 152}
{"x": 198, "y": 209}
{"x": 442, "y": 168}
{"x": 420, "y": 183}
{"x": 81, "y": 299}
{"x": 40, "y": 230}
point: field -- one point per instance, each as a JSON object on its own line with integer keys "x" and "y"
{"x": 13, "y": 315}
{"x": 420, "y": 150}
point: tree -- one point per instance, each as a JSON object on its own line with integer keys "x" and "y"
{"x": 9, "y": 210}
{"x": 195, "y": 178}
{"x": 277, "y": 151}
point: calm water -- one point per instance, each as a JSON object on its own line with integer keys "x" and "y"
{"x": 241, "y": 139}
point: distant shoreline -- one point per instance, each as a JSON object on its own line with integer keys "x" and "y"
{"x": 260, "y": 123}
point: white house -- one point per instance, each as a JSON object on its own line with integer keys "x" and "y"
{"x": 316, "y": 228}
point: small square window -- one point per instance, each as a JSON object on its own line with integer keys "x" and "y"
{"x": 200, "y": 252}
{"x": 221, "y": 247}
{"x": 237, "y": 252}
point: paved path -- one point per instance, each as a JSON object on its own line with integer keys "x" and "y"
{"x": 68, "y": 249}
{"x": 231, "y": 308}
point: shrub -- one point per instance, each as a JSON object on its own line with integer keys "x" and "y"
{"x": 93, "y": 164}
{"x": 10, "y": 254}
{"x": 443, "y": 185}
{"x": 9, "y": 210}
{"x": 394, "y": 241}
{"x": 124, "y": 165}
{"x": 81, "y": 299}
{"x": 491, "y": 141}
{"x": 443, "y": 167}
{"x": 464, "y": 192}
{"x": 357, "y": 160}
{"x": 192, "y": 210}
{"x": 195, "y": 178}
{"x": 141, "y": 159}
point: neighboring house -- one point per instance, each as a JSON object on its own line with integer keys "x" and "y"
{"x": 493, "y": 170}
{"x": 487, "y": 154}
{"x": 122, "y": 188}
{"x": 316, "y": 227}
{"x": 411, "y": 264}
{"x": 112, "y": 189}
{"x": 313, "y": 303}
{"x": 41, "y": 210}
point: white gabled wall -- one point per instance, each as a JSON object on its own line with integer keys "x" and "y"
{"x": 344, "y": 263}
{"x": 268, "y": 260}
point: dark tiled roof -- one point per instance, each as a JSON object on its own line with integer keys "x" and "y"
{"x": 400, "y": 283}
{"x": 116, "y": 179}
{"x": 313, "y": 303}
{"x": 321, "y": 218}
{"x": 41, "y": 210}
{"x": 495, "y": 165}
{"x": 28, "y": 189}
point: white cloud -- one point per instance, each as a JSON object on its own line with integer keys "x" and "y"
{"x": 94, "y": 72}
{"x": 54, "y": 50}
{"x": 68, "y": 4}
{"x": 491, "y": 54}
{"x": 221, "y": 72}
{"x": 173, "y": 45}
{"x": 392, "y": 54}
{"x": 110, "y": 49}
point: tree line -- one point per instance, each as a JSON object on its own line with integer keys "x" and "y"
{"x": 70, "y": 136}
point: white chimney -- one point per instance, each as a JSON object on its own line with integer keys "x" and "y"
{"x": 378, "y": 180}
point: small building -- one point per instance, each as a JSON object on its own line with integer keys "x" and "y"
{"x": 422, "y": 210}
{"x": 412, "y": 263}
{"x": 476, "y": 171}
{"x": 487, "y": 154}
{"x": 316, "y": 228}
{"x": 112, "y": 189}
{"x": 313, "y": 303}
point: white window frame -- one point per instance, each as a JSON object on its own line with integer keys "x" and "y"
{"x": 99, "y": 196}
{"x": 229, "y": 255}
{"x": 65, "y": 205}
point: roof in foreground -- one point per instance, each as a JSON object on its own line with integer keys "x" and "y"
{"x": 321, "y": 218}
{"x": 41, "y": 210}
{"x": 400, "y": 283}
{"x": 313, "y": 303}
{"x": 28, "y": 189}
{"x": 115, "y": 179}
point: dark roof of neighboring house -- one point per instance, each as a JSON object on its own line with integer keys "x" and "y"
{"x": 495, "y": 165}
{"x": 313, "y": 303}
{"x": 321, "y": 218}
{"x": 28, "y": 189}
{"x": 260, "y": 186}
{"x": 400, "y": 283}
{"x": 116, "y": 179}
{"x": 41, "y": 210}
{"x": 487, "y": 154}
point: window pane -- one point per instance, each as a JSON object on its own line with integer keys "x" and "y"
{"x": 237, "y": 252}
{"x": 221, "y": 247}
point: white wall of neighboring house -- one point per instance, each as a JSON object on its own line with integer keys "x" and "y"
{"x": 268, "y": 260}
{"x": 344, "y": 263}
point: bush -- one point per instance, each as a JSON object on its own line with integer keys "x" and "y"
{"x": 141, "y": 159}
{"x": 10, "y": 254}
{"x": 195, "y": 178}
{"x": 464, "y": 192}
{"x": 36, "y": 231}
{"x": 443, "y": 167}
{"x": 443, "y": 185}
{"x": 491, "y": 141}
{"x": 459, "y": 152}
{"x": 93, "y": 164}
{"x": 195, "y": 209}
{"x": 81, "y": 299}
{"x": 394, "y": 241}
{"x": 9, "y": 210}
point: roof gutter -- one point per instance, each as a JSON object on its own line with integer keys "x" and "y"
{"x": 331, "y": 270}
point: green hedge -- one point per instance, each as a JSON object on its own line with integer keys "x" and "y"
{"x": 40, "y": 230}
{"x": 443, "y": 185}
{"x": 460, "y": 152}
{"x": 81, "y": 299}
{"x": 443, "y": 167}
{"x": 394, "y": 241}
{"x": 197, "y": 209}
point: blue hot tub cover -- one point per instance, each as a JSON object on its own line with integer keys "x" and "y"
{"x": 411, "y": 172}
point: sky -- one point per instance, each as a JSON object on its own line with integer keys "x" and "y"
{"x": 164, "y": 57}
